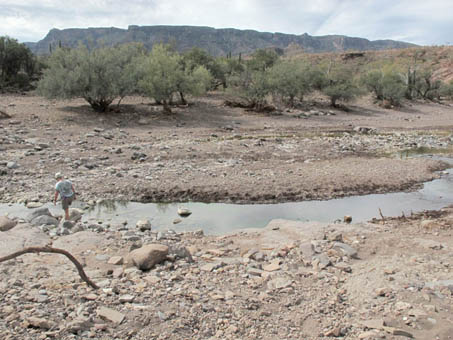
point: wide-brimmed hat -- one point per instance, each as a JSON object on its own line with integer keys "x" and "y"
{"x": 58, "y": 175}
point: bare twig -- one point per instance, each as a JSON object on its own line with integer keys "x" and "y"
{"x": 52, "y": 250}
{"x": 382, "y": 216}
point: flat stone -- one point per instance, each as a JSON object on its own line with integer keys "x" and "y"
{"x": 272, "y": 267}
{"x": 34, "y": 205}
{"x": 279, "y": 282}
{"x": 346, "y": 249}
{"x": 126, "y": 298}
{"x": 110, "y": 315}
{"x": 115, "y": 260}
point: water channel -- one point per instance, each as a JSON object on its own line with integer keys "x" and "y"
{"x": 220, "y": 218}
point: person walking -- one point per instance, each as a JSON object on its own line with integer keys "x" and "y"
{"x": 66, "y": 190}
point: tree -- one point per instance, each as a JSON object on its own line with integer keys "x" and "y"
{"x": 385, "y": 85}
{"x": 252, "y": 86}
{"x": 18, "y": 65}
{"x": 446, "y": 90}
{"x": 99, "y": 76}
{"x": 289, "y": 80}
{"x": 425, "y": 86}
{"x": 165, "y": 75}
{"x": 262, "y": 60}
{"x": 340, "y": 85}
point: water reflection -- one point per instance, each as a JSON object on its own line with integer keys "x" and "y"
{"x": 220, "y": 218}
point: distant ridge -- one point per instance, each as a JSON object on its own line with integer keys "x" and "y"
{"x": 217, "y": 42}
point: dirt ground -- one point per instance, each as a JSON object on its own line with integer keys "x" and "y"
{"x": 209, "y": 152}
{"x": 290, "y": 280}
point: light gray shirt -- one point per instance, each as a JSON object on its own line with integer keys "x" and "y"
{"x": 64, "y": 187}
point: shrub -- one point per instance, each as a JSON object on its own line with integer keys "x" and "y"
{"x": 99, "y": 76}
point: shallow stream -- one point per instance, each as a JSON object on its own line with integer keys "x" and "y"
{"x": 220, "y": 218}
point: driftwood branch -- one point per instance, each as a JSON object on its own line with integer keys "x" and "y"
{"x": 52, "y": 250}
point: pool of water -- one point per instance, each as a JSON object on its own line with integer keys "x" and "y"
{"x": 220, "y": 218}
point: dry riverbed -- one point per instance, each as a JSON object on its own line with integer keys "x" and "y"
{"x": 391, "y": 279}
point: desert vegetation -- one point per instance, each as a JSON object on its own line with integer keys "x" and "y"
{"x": 268, "y": 79}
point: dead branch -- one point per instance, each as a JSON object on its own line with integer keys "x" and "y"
{"x": 382, "y": 216}
{"x": 52, "y": 250}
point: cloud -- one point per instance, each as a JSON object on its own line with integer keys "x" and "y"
{"x": 414, "y": 21}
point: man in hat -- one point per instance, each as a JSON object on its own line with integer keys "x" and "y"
{"x": 65, "y": 189}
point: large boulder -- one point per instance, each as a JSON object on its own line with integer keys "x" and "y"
{"x": 6, "y": 223}
{"x": 38, "y": 212}
{"x": 22, "y": 236}
{"x": 148, "y": 256}
{"x": 44, "y": 220}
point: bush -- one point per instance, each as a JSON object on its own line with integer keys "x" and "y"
{"x": 289, "y": 80}
{"x": 165, "y": 74}
{"x": 340, "y": 85}
{"x": 385, "y": 85}
{"x": 99, "y": 76}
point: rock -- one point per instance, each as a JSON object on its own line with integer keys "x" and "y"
{"x": 40, "y": 323}
{"x": 110, "y": 315}
{"x": 67, "y": 224}
{"x": 44, "y": 220}
{"x": 308, "y": 252}
{"x": 181, "y": 252}
{"x": 184, "y": 212}
{"x": 6, "y": 223}
{"x": 38, "y": 212}
{"x": 209, "y": 267}
{"x": 279, "y": 283}
{"x": 78, "y": 325}
{"x": 12, "y": 165}
{"x": 148, "y": 256}
{"x": 115, "y": 260}
{"x": 275, "y": 265}
{"x": 143, "y": 225}
{"x": 334, "y": 332}
{"x": 345, "y": 249}
{"x": 34, "y": 205}
{"x": 335, "y": 236}
{"x": 321, "y": 261}
{"x": 368, "y": 335}
{"x": 126, "y": 298}
{"x": 75, "y": 214}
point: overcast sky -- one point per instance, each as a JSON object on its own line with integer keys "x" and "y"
{"x": 418, "y": 21}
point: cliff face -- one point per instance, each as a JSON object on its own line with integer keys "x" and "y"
{"x": 217, "y": 42}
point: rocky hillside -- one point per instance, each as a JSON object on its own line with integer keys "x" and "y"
{"x": 217, "y": 42}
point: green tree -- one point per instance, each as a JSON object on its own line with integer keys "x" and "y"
{"x": 99, "y": 76}
{"x": 251, "y": 86}
{"x": 262, "y": 60}
{"x": 18, "y": 65}
{"x": 425, "y": 86}
{"x": 165, "y": 74}
{"x": 446, "y": 90}
{"x": 289, "y": 80}
{"x": 386, "y": 85}
{"x": 340, "y": 85}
